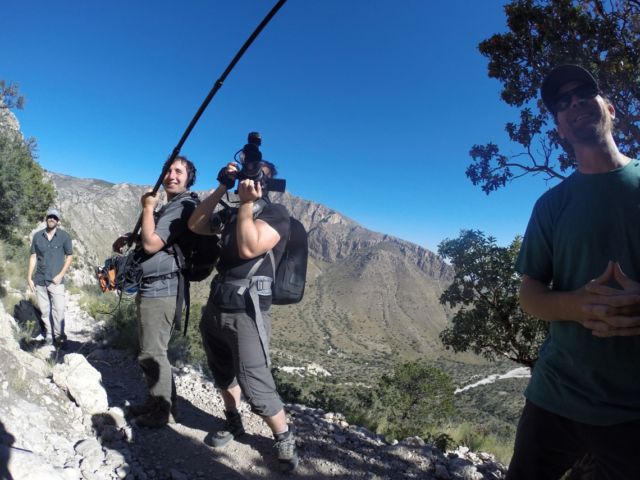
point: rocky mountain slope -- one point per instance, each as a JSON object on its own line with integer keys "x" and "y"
{"x": 62, "y": 417}
{"x": 368, "y": 296}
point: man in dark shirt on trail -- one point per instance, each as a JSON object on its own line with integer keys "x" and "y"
{"x": 580, "y": 261}
{"x": 236, "y": 322}
{"x": 157, "y": 296}
{"x": 51, "y": 256}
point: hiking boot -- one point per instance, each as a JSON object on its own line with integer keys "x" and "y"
{"x": 154, "y": 419}
{"x": 142, "y": 408}
{"x": 60, "y": 341}
{"x": 285, "y": 446}
{"x": 233, "y": 428}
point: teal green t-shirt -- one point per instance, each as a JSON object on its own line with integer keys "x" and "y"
{"x": 574, "y": 230}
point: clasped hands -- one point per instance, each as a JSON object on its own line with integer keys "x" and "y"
{"x": 609, "y": 311}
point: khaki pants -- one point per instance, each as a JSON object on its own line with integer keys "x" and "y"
{"x": 51, "y": 303}
{"x": 155, "y": 326}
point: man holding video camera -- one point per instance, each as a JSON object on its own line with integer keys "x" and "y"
{"x": 236, "y": 322}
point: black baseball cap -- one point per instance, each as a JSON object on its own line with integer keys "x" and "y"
{"x": 560, "y": 76}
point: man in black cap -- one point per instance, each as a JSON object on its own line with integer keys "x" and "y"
{"x": 51, "y": 255}
{"x": 580, "y": 261}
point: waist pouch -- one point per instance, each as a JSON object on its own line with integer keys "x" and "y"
{"x": 226, "y": 297}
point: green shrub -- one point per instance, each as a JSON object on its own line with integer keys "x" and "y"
{"x": 189, "y": 348}
{"x": 14, "y": 264}
{"x": 120, "y": 328}
{"x": 441, "y": 440}
{"x": 25, "y": 194}
{"x": 478, "y": 439}
{"x": 413, "y": 400}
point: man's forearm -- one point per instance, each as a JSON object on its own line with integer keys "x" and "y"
{"x": 32, "y": 265}
{"x": 538, "y": 300}
{"x": 199, "y": 222}
{"x": 67, "y": 263}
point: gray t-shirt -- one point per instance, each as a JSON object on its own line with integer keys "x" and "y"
{"x": 171, "y": 224}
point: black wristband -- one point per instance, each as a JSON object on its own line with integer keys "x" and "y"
{"x": 225, "y": 178}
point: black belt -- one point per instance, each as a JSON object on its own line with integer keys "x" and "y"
{"x": 166, "y": 276}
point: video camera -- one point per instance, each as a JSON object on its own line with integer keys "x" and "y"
{"x": 250, "y": 158}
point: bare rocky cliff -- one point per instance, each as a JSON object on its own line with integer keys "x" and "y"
{"x": 332, "y": 237}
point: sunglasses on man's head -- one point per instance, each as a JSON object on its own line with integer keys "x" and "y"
{"x": 563, "y": 101}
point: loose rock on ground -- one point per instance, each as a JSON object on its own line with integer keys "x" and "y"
{"x": 57, "y": 425}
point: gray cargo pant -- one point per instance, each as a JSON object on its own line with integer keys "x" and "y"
{"x": 155, "y": 325}
{"x": 51, "y": 303}
{"x": 235, "y": 356}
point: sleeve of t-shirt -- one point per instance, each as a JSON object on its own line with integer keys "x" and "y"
{"x": 33, "y": 245}
{"x": 277, "y": 217}
{"x": 173, "y": 221}
{"x": 68, "y": 246}
{"x": 536, "y": 253}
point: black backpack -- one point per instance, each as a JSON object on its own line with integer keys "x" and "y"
{"x": 26, "y": 314}
{"x": 121, "y": 272}
{"x": 197, "y": 255}
{"x": 291, "y": 273}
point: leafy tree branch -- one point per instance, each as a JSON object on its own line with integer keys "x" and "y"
{"x": 488, "y": 320}
{"x": 10, "y": 96}
{"x": 604, "y": 37}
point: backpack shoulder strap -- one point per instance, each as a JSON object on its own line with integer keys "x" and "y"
{"x": 183, "y": 298}
{"x": 273, "y": 263}
{"x": 255, "y": 268}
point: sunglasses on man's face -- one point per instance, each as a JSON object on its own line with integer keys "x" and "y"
{"x": 563, "y": 101}
{"x": 52, "y": 217}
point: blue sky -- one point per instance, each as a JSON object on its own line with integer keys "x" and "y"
{"x": 369, "y": 107}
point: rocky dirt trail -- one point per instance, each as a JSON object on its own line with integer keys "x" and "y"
{"x": 108, "y": 446}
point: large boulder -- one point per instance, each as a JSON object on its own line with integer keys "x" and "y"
{"x": 82, "y": 382}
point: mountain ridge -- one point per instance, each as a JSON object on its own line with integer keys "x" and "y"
{"x": 368, "y": 295}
